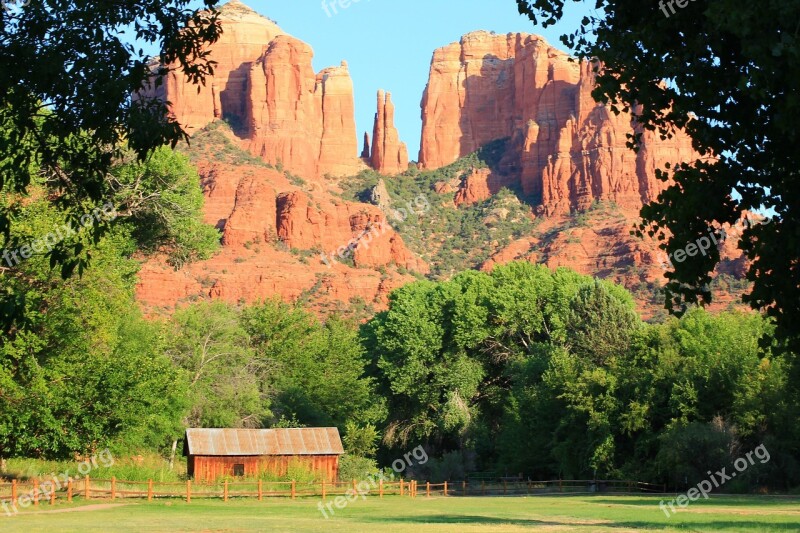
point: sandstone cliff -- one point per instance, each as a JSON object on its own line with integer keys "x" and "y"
{"x": 565, "y": 150}
{"x": 265, "y": 87}
{"x": 281, "y": 240}
{"x": 245, "y": 37}
{"x": 302, "y": 120}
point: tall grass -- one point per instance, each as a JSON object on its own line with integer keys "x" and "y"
{"x": 139, "y": 468}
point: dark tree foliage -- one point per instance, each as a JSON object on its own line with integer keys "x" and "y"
{"x": 66, "y": 112}
{"x": 728, "y": 72}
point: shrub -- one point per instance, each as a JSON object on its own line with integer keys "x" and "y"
{"x": 355, "y": 467}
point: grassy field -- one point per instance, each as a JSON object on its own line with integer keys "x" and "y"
{"x": 395, "y": 514}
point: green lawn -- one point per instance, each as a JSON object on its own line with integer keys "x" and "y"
{"x": 396, "y": 514}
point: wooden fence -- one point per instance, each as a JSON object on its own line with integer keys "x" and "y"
{"x": 47, "y": 490}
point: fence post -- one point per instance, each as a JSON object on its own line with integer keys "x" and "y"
{"x": 261, "y": 489}
{"x": 294, "y": 489}
{"x": 380, "y": 488}
{"x": 149, "y": 490}
{"x": 52, "y": 493}
{"x": 113, "y": 488}
{"x": 87, "y": 491}
{"x": 560, "y": 485}
{"x": 428, "y": 489}
{"x": 464, "y": 488}
{"x": 225, "y": 491}
{"x": 355, "y": 487}
{"x": 69, "y": 490}
{"x": 188, "y": 491}
{"x": 323, "y": 490}
{"x": 14, "y": 492}
{"x": 505, "y": 487}
{"x": 401, "y": 486}
{"x": 35, "y": 492}
{"x": 445, "y": 489}
{"x": 483, "y": 487}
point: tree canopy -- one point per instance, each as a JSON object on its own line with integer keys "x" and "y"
{"x": 727, "y": 73}
{"x": 554, "y": 374}
{"x": 66, "y": 107}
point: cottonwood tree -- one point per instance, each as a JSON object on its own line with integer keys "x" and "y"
{"x": 225, "y": 382}
{"x": 727, "y": 72}
{"x": 66, "y": 112}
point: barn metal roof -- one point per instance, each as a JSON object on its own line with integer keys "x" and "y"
{"x": 278, "y": 441}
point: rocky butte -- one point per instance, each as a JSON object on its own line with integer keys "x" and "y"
{"x": 277, "y": 218}
{"x": 565, "y": 150}
{"x": 292, "y": 132}
{"x": 264, "y": 85}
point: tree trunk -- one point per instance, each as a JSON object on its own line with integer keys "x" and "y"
{"x": 172, "y": 455}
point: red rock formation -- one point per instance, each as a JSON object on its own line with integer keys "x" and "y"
{"x": 564, "y": 148}
{"x": 254, "y": 214}
{"x": 365, "y": 153}
{"x": 265, "y": 86}
{"x": 279, "y": 239}
{"x": 479, "y": 186}
{"x": 263, "y": 208}
{"x": 338, "y": 152}
{"x": 592, "y": 161}
{"x": 334, "y": 229}
{"x": 245, "y": 36}
{"x": 298, "y": 119}
{"x": 389, "y": 155}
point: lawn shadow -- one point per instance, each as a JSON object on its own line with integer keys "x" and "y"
{"x": 471, "y": 520}
{"x": 478, "y": 520}
{"x": 728, "y": 525}
{"x": 730, "y": 501}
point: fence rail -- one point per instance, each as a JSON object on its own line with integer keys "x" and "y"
{"x": 49, "y": 490}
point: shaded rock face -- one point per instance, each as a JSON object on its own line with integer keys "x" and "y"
{"x": 245, "y": 37}
{"x": 389, "y": 154}
{"x": 265, "y": 86}
{"x": 564, "y": 148}
{"x": 379, "y": 195}
{"x": 478, "y": 186}
{"x": 298, "y": 119}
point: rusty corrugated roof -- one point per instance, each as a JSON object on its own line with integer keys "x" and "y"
{"x": 278, "y": 441}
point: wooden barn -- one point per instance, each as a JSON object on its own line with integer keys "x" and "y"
{"x": 249, "y": 452}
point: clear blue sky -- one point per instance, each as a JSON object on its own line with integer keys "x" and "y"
{"x": 389, "y": 43}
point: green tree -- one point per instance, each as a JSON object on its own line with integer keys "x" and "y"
{"x": 316, "y": 370}
{"x": 601, "y": 321}
{"x": 69, "y": 118}
{"x": 162, "y": 201}
{"x": 78, "y": 373}
{"x": 445, "y": 354}
{"x": 720, "y": 71}
{"x": 225, "y": 379}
